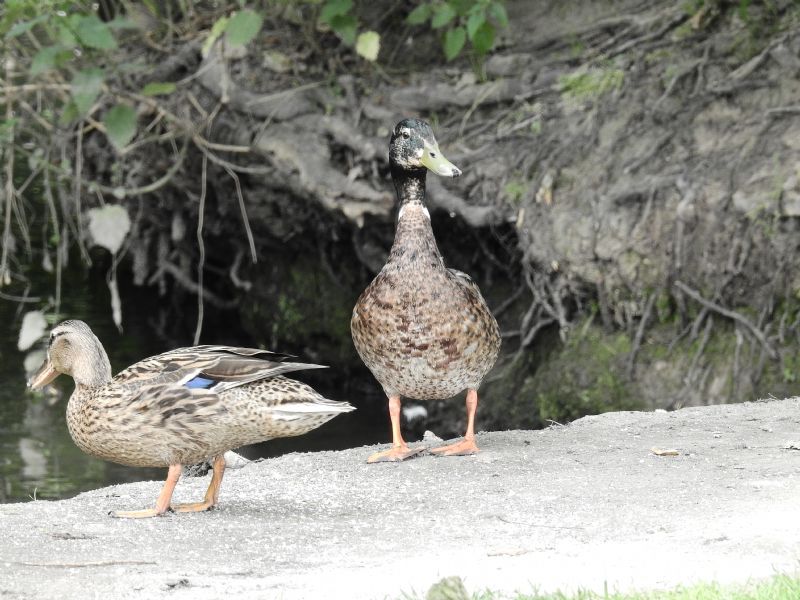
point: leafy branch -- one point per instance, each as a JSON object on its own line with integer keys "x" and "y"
{"x": 475, "y": 20}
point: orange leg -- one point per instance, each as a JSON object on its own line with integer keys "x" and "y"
{"x": 399, "y": 450}
{"x": 212, "y": 493}
{"x": 467, "y": 445}
{"x": 162, "y": 503}
{"x": 165, "y": 497}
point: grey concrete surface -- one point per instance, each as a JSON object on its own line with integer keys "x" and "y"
{"x": 586, "y": 505}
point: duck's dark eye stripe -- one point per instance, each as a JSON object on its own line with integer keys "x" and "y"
{"x": 55, "y": 335}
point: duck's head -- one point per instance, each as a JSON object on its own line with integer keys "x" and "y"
{"x": 413, "y": 148}
{"x": 74, "y": 350}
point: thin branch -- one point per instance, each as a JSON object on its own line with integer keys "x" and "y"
{"x": 23, "y": 299}
{"x": 637, "y": 341}
{"x": 243, "y": 210}
{"x": 202, "y": 248}
{"x": 731, "y": 314}
{"x": 9, "y": 187}
{"x": 186, "y": 282}
{"x": 101, "y": 563}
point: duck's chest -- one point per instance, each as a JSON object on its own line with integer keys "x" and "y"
{"x": 101, "y": 428}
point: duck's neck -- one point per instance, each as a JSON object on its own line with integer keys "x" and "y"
{"x": 413, "y": 239}
{"x": 410, "y": 185}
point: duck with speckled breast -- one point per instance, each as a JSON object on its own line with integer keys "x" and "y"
{"x": 180, "y": 407}
{"x": 424, "y": 330}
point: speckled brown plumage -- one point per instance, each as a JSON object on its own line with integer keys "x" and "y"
{"x": 180, "y": 407}
{"x": 423, "y": 330}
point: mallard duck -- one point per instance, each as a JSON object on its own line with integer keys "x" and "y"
{"x": 423, "y": 330}
{"x": 179, "y": 407}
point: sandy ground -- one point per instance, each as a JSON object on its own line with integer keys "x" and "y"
{"x": 586, "y": 505}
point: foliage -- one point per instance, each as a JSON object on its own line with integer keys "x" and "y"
{"x": 462, "y": 20}
{"x": 779, "y": 587}
{"x": 515, "y": 189}
{"x": 74, "y": 83}
{"x": 585, "y": 377}
{"x": 585, "y": 84}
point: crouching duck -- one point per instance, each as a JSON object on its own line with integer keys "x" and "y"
{"x": 179, "y": 407}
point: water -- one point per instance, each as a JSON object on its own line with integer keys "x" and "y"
{"x": 37, "y": 456}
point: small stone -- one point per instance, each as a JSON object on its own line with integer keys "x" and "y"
{"x": 276, "y": 61}
{"x": 431, "y": 437}
{"x": 449, "y": 588}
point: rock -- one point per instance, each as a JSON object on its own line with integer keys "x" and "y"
{"x": 449, "y": 588}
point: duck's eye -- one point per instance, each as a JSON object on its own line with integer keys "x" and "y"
{"x": 406, "y": 135}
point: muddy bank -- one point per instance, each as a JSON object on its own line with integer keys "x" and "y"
{"x": 630, "y": 202}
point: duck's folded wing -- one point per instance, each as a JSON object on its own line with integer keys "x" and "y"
{"x": 176, "y": 417}
{"x": 464, "y": 281}
{"x": 210, "y": 367}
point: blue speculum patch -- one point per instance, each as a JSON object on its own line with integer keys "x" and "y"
{"x": 200, "y": 382}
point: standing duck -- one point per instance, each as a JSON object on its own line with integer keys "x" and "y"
{"x": 179, "y": 407}
{"x": 423, "y": 330}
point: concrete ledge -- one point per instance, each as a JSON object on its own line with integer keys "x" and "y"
{"x": 585, "y": 505}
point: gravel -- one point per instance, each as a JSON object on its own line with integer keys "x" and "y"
{"x": 587, "y": 505}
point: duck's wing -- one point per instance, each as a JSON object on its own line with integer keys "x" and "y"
{"x": 465, "y": 281}
{"x": 184, "y": 422}
{"x": 209, "y": 367}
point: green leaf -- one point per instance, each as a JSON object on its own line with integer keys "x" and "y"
{"x": 85, "y": 87}
{"x": 65, "y": 37}
{"x": 475, "y": 20}
{"x": 217, "y": 30}
{"x": 243, "y": 27}
{"x": 420, "y": 14}
{"x": 158, "y": 88}
{"x": 68, "y": 114}
{"x": 47, "y": 58}
{"x": 462, "y": 7}
{"x": 152, "y": 6}
{"x": 7, "y": 129}
{"x": 454, "y": 41}
{"x": 92, "y": 32}
{"x": 497, "y": 11}
{"x": 368, "y": 45}
{"x": 345, "y": 26}
{"x": 333, "y": 9}
{"x": 483, "y": 40}
{"x": 21, "y": 27}
{"x": 120, "y": 124}
{"x": 442, "y": 15}
{"x": 122, "y": 23}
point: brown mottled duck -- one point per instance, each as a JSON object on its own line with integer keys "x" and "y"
{"x": 180, "y": 407}
{"x": 423, "y": 330}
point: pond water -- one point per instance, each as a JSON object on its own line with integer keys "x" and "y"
{"x": 38, "y": 458}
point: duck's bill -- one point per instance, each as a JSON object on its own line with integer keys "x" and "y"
{"x": 43, "y": 376}
{"x": 434, "y": 160}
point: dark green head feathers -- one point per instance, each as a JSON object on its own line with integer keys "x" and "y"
{"x": 413, "y": 149}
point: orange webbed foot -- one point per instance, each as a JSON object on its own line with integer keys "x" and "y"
{"x": 465, "y": 447}
{"x": 139, "y": 514}
{"x": 396, "y": 454}
{"x": 193, "y": 507}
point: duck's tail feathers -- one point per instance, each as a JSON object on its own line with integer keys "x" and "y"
{"x": 291, "y": 411}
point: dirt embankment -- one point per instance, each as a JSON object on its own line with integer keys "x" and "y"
{"x": 630, "y": 204}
